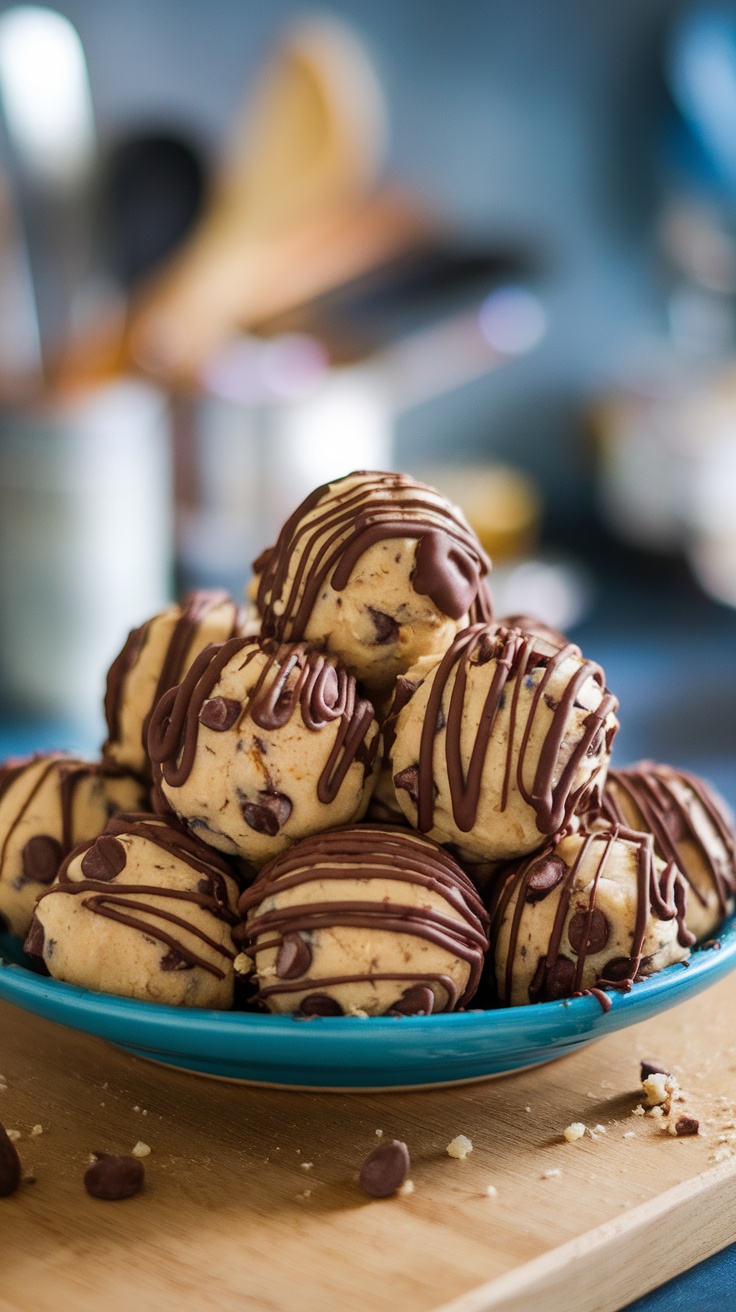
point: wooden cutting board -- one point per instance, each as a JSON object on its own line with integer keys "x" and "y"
{"x": 252, "y": 1200}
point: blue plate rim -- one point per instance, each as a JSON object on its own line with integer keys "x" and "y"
{"x": 563, "y": 1021}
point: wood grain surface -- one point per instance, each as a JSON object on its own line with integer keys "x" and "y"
{"x": 234, "y": 1217}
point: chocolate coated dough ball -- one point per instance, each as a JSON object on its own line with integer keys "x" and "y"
{"x": 156, "y": 657}
{"x": 49, "y": 803}
{"x": 377, "y": 569}
{"x": 691, "y": 826}
{"x": 366, "y": 920}
{"x": 596, "y": 909}
{"x": 144, "y": 912}
{"x": 497, "y": 743}
{"x": 261, "y": 745}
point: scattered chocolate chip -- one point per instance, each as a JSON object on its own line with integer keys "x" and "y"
{"x": 268, "y": 815}
{"x": 652, "y": 1068}
{"x": 34, "y": 939}
{"x": 220, "y": 713}
{"x": 385, "y": 1169}
{"x": 386, "y": 627}
{"x": 543, "y": 876}
{"x": 441, "y": 721}
{"x": 112, "y": 1178}
{"x": 9, "y": 1165}
{"x": 294, "y": 957}
{"x": 551, "y": 701}
{"x": 416, "y": 1001}
{"x": 686, "y": 1125}
{"x": 409, "y": 780}
{"x": 320, "y": 1004}
{"x": 175, "y": 961}
{"x": 41, "y": 859}
{"x": 599, "y": 931}
{"x": 104, "y": 860}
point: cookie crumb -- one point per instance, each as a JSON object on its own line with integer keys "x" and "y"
{"x": 491, "y": 1191}
{"x": 406, "y": 1188}
{"x": 459, "y": 1147}
{"x": 638, "y": 1110}
{"x": 629, "y": 1134}
{"x": 141, "y": 1149}
{"x": 306, "y": 1166}
{"x": 13, "y": 1135}
{"x": 600, "y": 1129}
{"x": 37, "y": 1129}
{"x": 657, "y": 1112}
{"x": 301, "y": 1198}
{"x": 242, "y": 964}
{"x": 574, "y": 1132}
{"x": 548, "y": 1175}
{"x": 379, "y": 1134}
{"x": 527, "y": 1109}
{"x": 660, "y": 1088}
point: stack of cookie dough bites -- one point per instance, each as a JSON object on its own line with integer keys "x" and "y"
{"x": 370, "y": 799}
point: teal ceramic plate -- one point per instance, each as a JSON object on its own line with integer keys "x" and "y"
{"x": 350, "y": 1053}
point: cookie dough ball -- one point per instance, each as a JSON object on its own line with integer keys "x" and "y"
{"x": 155, "y": 658}
{"x": 597, "y": 909}
{"x": 49, "y": 804}
{"x": 377, "y": 569}
{"x": 262, "y": 744}
{"x": 496, "y": 744}
{"x": 366, "y": 920}
{"x": 145, "y": 912}
{"x": 691, "y": 826}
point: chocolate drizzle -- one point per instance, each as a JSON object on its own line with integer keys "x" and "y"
{"x": 353, "y": 514}
{"x": 105, "y": 896}
{"x": 660, "y": 894}
{"x": 292, "y": 677}
{"x": 517, "y": 656}
{"x": 361, "y": 854}
{"x": 194, "y": 612}
{"x": 676, "y": 806}
{"x": 43, "y": 853}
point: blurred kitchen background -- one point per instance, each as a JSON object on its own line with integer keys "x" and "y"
{"x": 244, "y": 248}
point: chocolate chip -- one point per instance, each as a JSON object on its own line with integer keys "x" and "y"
{"x": 214, "y": 886}
{"x": 175, "y": 961}
{"x": 294, "y": 957}
{"x": 543, "y": 876}
{"x": 320, "y": 1004}
{"x": 618, "y": 969}
{"x": 686, "y": 1125}
{"x": 599, "y": 931}
{"x": 551, "y": 702}
{"x": 483, "y": 650}
{"x": 403, "y": 692}
{"x": 9, "y": 1165}
{"x": 112, "y": 1178}
{"x": 409, "y": 780}
{"x": 441, "y": 721}
{"x": 385, "y": 1169}
{"x": 416, "y": 1001}
{"x": 104, "y": 860}
{"x": 268, "y": 815}
{"x": 386, "y": 627}
{"x": 41, "y": 859}
{"x": 220, "y": 713}
{"x": 552, "y": 981}
{"x": 34, "y": 939}
{"x": 652, "y": 1068}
